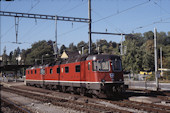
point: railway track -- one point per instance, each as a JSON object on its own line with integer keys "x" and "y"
{"x": 143, "y": 106}
{"x": 79, "y": 106}
{"x": 8, "y": 106}
{"x": 87, "y": 107}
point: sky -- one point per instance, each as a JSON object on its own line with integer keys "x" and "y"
{"x": 113, "y": 16}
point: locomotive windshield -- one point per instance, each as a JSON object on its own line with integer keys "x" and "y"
{"x": 101, "y": 65}
{"x": 116, "y": 65}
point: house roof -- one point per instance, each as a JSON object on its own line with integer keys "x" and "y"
{"x": 68, "y": 54}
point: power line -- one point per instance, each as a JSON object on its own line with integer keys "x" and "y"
{"x": 59, "y": 12}
{"x": 19, "y": 20}
{"x": 156, "y": 22}
{"x": 105, "y": 17}
{"x": 121, "y": 11}
{"x": 161, "y": 7}
{"x": 117, "y": 29}
{"x": 17, "y": 42}
{"x": 78, "y": 5}
{"x": 7, "y": 6}
{"x": 109, "y": 33}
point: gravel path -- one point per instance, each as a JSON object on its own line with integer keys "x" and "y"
{"x": 34, "y": 105}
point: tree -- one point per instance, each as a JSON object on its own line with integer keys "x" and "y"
{"x": 105, "y": 49}
{"x": 4, "y": 57}
{"x": 132, "y": 60}
{"x": 10, "y": 57}
{"x": 82, "y": 44}
{"x": 62, "y": 49}
{"x": 148, "y": 55}
{"x": 72, "y": 47}
{"x": 148, "y": 35}
{"x": 38, "y": 49}
{"x": 161, "y": 38}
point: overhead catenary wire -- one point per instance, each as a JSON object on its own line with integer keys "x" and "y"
{"x": 71, "y": 30}
{"x": 17, "y": 42}
{"x": 7, "y": 5}
{"x": 106, "y": 17}
{"x": 155, "y": 22}
{"x": 121, "y": 11}
{"x": 110, "y": 24}
{"x": 109, "y": 16}
{"x": 74, "y": 7}
{"x": 161, "y": 7}
{"x": 101, "y": 18}
{"x": 19, "y": 19}
{"x": 58, "y": 12}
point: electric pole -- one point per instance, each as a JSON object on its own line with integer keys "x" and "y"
{"x": 156, "y": 62}
{"x": 89, "y": 13}
{"x": 161, "y": 58}
{"x": 0, "y": 31}
{"x": 121, "y": 51}
{"x": 56, "y": 37}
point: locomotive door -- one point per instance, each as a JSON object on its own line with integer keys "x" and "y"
{"x": 42, "y": 73}
{"x": 89, "y": 68}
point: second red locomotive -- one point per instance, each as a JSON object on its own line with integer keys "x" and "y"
{"x": 98, "y": 75}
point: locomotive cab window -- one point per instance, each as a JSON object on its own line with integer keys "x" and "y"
{"x": 116, "y": 65}
{"x": 28, "y": 72}
{"x": 58, "y": 70}
{"x": 77, "y": 68}
{"x": 35, "y": 72}
{"x": 31, "y": 72}
{"x": 101, "y": 65}
{"x": 66, "y": 69}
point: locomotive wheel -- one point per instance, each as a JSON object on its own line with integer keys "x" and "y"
{"x": 94, "y": 96}
{"x": 59, "y": 88}
{"x": 82, "y": 92}
{"x": 74, "y": 91}
{"x": 27, "y": 84}
{"x": 64, "y": 89}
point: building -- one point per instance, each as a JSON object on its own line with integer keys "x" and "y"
{"x": 68, "y": 54}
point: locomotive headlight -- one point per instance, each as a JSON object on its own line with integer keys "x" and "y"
{"x": 120, "y": 79}
{"x": 112, "y": 75}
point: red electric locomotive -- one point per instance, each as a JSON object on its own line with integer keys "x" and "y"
{"x": 98, "y": 75}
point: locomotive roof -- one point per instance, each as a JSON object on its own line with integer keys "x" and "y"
{"x": 102, "y": 56}
{"x": 79, "y": 58}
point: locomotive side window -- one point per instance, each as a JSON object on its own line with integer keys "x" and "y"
{"x": 66, "y": 69}
{"x": 58, "y": 70}
{"x": 116, "y": 65}
{"x": 28, "y": 72}
{"x": 51, "y": 71}
{"x": 31, "y": 72}
{"x": 77, "y": 68}
{"x": 35, "y": 71}
{"x": 101, "y": 65}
